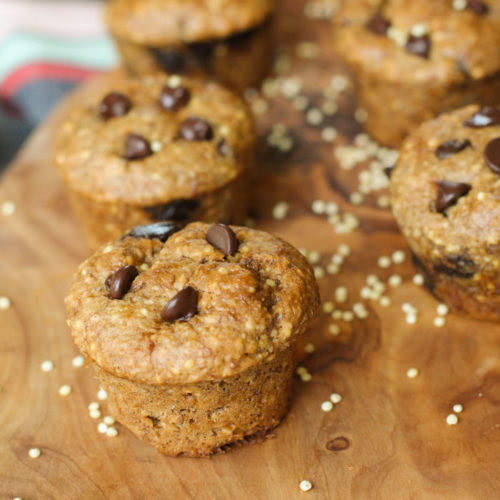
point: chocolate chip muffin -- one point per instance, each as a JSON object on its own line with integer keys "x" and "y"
{"x": 445, "y": 196}
{"x": 156, "y": 148}
{"x": 191, "y": 331}
{"x": 229, "y": 41}
{"x": 414, "y": 60}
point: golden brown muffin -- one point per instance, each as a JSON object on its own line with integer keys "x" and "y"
{"x": 223, "y": 39}
{"x": 445, "y": 197}
{"x": 413, "y": 60}
{"x": 156, "y": 148}
{"x": 192, "y": 332}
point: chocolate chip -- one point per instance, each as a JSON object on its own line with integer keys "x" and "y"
{"x": 136, "y": 147}
{"x": 113, "y": 105}
{"x": 172, "y": 61}
{"x": 182, "y": 307}
{"x": 450, "y": 148}
{"x": 159, "y": 230}
{"x": 419, "y": 45}
{"x": 388, "y": 170}
{"x": 478, "y": 7}
{"x": 492, "y": 155}
{"x": 119, "y": 282}
{"x": 223, "y": 238}
{"x": 181, "y": 209}
{"x": 196, "y": 129}
{"x": 174, "y": 98}
{"x": 378, "y": 24}
{"x": 448, "y": 194}
{"x": 486, "y": 116}
{"x": 224, "y": 148}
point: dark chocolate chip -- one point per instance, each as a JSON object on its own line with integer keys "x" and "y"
{"x": 223, "y": 238}
{"x": 448, "y": 194}
{"x": 224, "y": 148}
{"x": 159, "y": 230}
{"x": 119, "y": 282}
{"x": 388, "y": 170}
{"x": 478, "y": 7}
{"x": 492, "y": 155}
{"x": 113, "y": 105}
{"x": 450, "y": 148}
{"x": 486, "y": 116}
{"x": 181, "y": 209}
{"x": 378, "y": 24}
{"x": 182, "y": 307}
{"x": 457, "y": 266}
{"x": 196, "y": 129}
{"x": 171, "y": 61}
{"x": 419, "y": 45}
{"x": 136, "y": 147}
{"x": 174, "y": 98}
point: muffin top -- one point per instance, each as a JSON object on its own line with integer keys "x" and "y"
{"x": 147, "y": 141}
{"x": 446, "y": 185}
{"x": 161, "y": 22}
{"x": 207, "y": 303}
{"x": 438, "y": 41}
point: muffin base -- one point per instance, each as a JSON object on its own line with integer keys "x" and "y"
{"x": 240, "y": 61}
{"x": 202, "y": 418}
{"x": 405, "y": 107}
{"x": 105, "y": 221}
{"x": 462, "y": 287}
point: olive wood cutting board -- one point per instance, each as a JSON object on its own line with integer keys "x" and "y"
{"x": 388, "y": 437}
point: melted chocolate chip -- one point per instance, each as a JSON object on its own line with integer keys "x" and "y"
{"x": 486, "y": 116}
{"x": 449, "y": 193}
{"x": 182, "y": 307}
{"x": 196, "y": 129}
{"x": 492, "y": 155}
{"x": 223, "y": 238}
{"x": 159, "y": 230}
{"x": 181, "y": 209}
{"x": 457, "y": 266}
{"x": 378, "y": 24}
{"x": 478, "y": 7}
{"x": 113, "y": 105}
{"x": 136, "y": 147}
{"x": 174, "y": 98}
{"x": 419, "y": 45}
{"x": 450, "y": 148}
{"x": 172, "y": 61}
{"x": 224, "y": 148}
{"x": 119, "y": 282}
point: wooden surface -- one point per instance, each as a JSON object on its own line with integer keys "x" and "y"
{"x": 388, "y": 438}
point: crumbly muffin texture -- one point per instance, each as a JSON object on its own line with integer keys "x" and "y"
{"x": 445, "y": 198}
{"x": 251, "y": 306}
{"x": 163, "y": 22}
{"x": 91, "y": 151}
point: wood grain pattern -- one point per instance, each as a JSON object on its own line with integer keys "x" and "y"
{"x": 387, "y": 438}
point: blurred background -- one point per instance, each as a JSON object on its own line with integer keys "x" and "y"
{"x": 46, "y": 48}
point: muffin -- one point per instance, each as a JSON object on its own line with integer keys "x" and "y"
{"x": 414, "y": 60}
{"x": 192, "y": 331}
{"x": 446, "y": 199}
{"x": 228, "y": 41}
{"x": 140, "y": 150}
